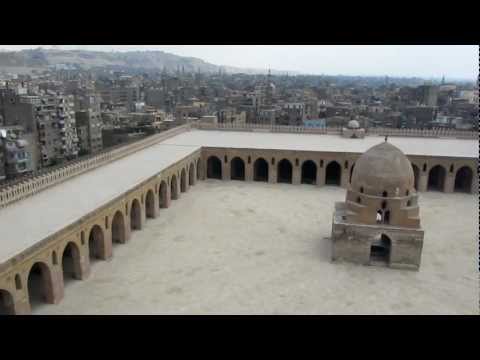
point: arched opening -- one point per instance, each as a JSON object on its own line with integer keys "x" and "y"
{"x": 416, "y": 175}
{"x": 150, "y": 204}
{"x": 183, "y": 181}
{"x": 309, "y": 172}
{"x": 380, "y": 250}
{"x": 40, "y": 285}
{"x": 54, "y": 258}
{"x": 199, "y": 165}
{"x": 463, "y": 180}
{"x": 260, "y": 170}
{"x": 6, "y": 303}
{"x": 237, "y": 169}
{"x": 384, "y": 194}
{"x": 118, "y": 228}
{"x": 173, "y": 188}
{"x": 96, "y": 247}
{"x": 284, "y": 172}
{"x": 18, "y": 282}
{"x": 383, "y": 215}
{"x": 135, "y": 216}
{"x": 386, "y": 217}
{"x": 214, "y": 168}
{"x": 71, "y": 262}
{"x": 333, "y": 174}
{"x": 191, "y": 175}
{"x": 162, "y": 195}
{"x": 351, "y": 173}
{"x": 436, "y": 178}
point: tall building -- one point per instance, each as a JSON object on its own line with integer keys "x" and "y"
{"x": 89, "y": 130}
{"x": 15, "y": 158}
{"x": 57, "y": 133}
{"x": 427, "y": 95}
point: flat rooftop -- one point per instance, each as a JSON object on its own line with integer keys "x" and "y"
{"x": 33, "y": 219}
{"x": 257, "y": 248}
{"x": 333, "y": 143}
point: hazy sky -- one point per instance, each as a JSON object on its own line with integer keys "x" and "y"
{"x": 453, "y": 61}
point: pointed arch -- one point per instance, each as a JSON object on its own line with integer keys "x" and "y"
{"x": 199, "y": 169}
{"x": 237, "y": 169}
{"x": 173, "y": 188}
{"x": 162, "y": 195}
{"x": 284, "y": 171}
{"x": 436, "y": 178}
{"x": 7, "y": 306}
{"x": 380, "y": 249}
{"x": 135, "y": 215}
{"x": 40, "y": 284}
{"x": 309, "y": 172}
{"x": 183, "y": 180}
{"x": 463, "y": 180}
{"x": 214, "y": 168}
{"x": 191, "y": 174}
{"x": 118, "y": 228}
{"x": 96, "y": 243}
{"x": 150, "y": 204}
{"x": 71, "y": 265}
{"x": 260, "y": 170}
{"x": 333, "y": 173}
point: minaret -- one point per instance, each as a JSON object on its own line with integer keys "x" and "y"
{"x": 268, "y": 89}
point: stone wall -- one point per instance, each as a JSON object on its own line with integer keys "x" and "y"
{"x": 322, "y": 160}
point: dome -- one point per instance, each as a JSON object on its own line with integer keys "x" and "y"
{"x": 353, "y": 124}
{"x": 383, "y": 168}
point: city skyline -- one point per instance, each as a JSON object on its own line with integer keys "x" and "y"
{"x": 456, "y": 62}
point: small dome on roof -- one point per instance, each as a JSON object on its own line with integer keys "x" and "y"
{"x": 353, "y": 124}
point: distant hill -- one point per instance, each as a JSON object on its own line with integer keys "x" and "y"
{"x": 148, "y": 60}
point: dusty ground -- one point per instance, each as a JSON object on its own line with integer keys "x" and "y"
{"x": 252, "y": 248}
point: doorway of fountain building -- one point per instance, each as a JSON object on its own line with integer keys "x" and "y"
{"x": 380, "y": 250}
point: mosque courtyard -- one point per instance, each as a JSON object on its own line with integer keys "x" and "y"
{"x": 231, "y": 247}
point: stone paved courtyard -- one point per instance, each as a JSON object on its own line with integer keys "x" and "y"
{"x": 255, "y": 248}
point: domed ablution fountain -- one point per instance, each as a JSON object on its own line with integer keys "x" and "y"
{"x": 379, "y": 223}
